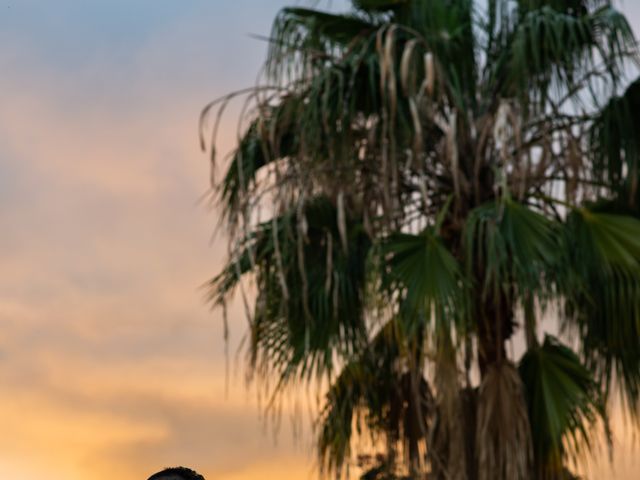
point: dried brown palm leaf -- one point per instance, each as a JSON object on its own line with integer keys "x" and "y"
{"x": 447, "y": 438}
{"x": 452, "y": 152}
{"x": 430, "y": 73}
{"x": 278, "y": 256}
{"x": 417, "y": 127}
{"x": 503, "y": 435}
{"x": 407, "y": 74}
{"x": 342, "y": 221}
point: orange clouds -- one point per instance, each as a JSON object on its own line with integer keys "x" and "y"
{"x": 111, "y": 366}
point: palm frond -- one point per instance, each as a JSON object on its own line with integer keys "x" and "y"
{"x": 512, "y": 242}
{"x": 268, "y": 138}
{"x": 552, "y": 53}
{"x": 446, "y": 27}
{"x": 615, "y": 142}
{"x": 571, "y": 7}
{"x": 311, "y": 291}
{"x": 426, "y": 275}
{"x": 377, "y": 394}
{"x": 564, "y": 403}
{"x": 343, "y": 401}
{"x": 311, "y": 37}
{"x": 603, "y": 296}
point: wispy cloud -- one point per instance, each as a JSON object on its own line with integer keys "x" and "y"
{"x": 111, "y": 366}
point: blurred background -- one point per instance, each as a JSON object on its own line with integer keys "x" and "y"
{"x": 111, "y": 363}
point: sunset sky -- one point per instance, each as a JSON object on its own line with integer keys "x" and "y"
{"x": 112, "y": 366}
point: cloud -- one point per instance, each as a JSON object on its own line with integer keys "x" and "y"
{"x": 105, "y": 340}
{"x": 133, "y": 420}
{"x": 104, "y": 337}
{"x": 111, "y": 366}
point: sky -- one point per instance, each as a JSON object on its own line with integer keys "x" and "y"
{"x": 111, "y": 363}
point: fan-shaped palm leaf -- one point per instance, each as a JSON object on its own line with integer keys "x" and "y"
{"x": 512, "y": 242}
{"x": 427, "y": 276}
{"x": 563, "y": 403}
{"x": 605, "y": 252}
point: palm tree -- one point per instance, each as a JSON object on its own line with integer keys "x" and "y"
{"x": 416, "y": 186}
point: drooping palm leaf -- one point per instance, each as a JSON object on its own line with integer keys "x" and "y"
{"x": 615, "y": 141}
{"x": 572, "y": 7}
{"x": 377, "y": 394}
{"x": 563, "y": 402}
{"x": 604, "y": 296}
{"x": 298, "y": 330}
{"x": 269, "y": 138}
{"x": 312, "y": 35}
{"x": 446, "y": 27}
{"x": 552, "y": 50}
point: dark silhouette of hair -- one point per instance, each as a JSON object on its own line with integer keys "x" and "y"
{"x": 182, "y": 472}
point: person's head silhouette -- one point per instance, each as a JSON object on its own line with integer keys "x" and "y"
{"x": 176, "y": 473}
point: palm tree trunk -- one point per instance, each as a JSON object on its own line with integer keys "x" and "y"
{"x": 495, "y": 326}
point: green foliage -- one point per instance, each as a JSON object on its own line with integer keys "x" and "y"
{"x": 555, "y": 48}
{"x": 417, "y": 181}
{"x": 615, "y": 141}
{"x": 605, "y": 266}
{"x": 310, "y": 301}
{"x": 317, "y": 29}
{"x": 429, "y": 278}
{"x": 564, "y": 403}
{"x": 513, "y": 244}
{"x": 375, "y": 391}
